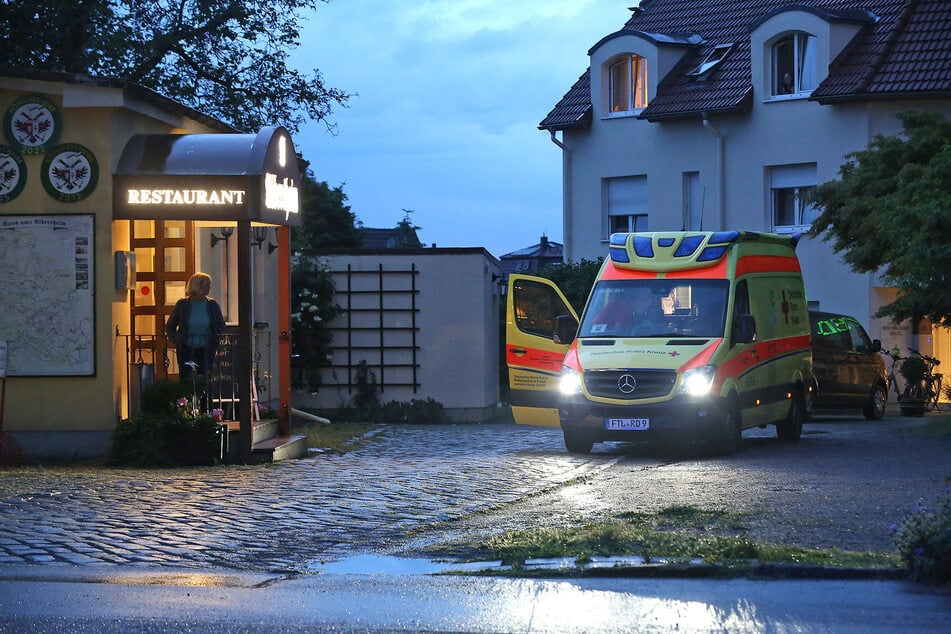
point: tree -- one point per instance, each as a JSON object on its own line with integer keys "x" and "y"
{"x": 891, "y": 212}
{"x": 406, "y": 232}
{"x": 327, "y": 219}
{"x": 575, "y": 280}
{"x": 225, "y": 58}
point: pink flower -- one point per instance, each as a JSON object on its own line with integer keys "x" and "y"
{"x": 218, "y": 415}
{"x": 182, "y": 402}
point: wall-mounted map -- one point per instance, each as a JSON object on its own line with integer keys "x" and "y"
{"x": 46, "y": 295}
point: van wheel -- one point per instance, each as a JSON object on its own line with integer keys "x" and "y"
{"x": 576, "y": 442}
{"x": 790, "y": 429}
{"x": 727, "y": 441}
{"x": 875, "y": 409}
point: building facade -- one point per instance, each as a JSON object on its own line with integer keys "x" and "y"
{"x": 724, "y": 114}
{"x": 112, "y": 196}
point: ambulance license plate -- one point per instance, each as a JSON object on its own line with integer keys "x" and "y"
{"x": 630, "y": 424}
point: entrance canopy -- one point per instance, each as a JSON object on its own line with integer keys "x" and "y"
{"x": 220, "y": 177}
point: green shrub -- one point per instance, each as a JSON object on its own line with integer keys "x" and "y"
{"x": 924, "y": 543}
{"x": 169, "y": 431}
{"x": 160, "y": 398}
{"x": 140, "y": 442}
{"x": 414, "y": 411}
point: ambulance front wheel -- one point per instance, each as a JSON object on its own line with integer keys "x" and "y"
{"x": 577, "y": 442}
{"x": 790, "y": 428}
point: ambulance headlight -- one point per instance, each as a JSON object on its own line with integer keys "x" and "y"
{"x": 570, "y": 382}
{"x": 697, "y": 382}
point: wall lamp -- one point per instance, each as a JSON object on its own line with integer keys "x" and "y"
{"x": 258, "y": 236}
{"x": 225, "y": 234}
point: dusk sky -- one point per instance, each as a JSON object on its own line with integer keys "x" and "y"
{"x": 445, "y": 119}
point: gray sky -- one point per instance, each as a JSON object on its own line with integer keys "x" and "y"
{"x": 450, "y": 93}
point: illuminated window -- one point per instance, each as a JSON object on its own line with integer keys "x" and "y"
{"x": 628, "y": 84}
{"x": 794, "y": 65}
{"x": 790, "y": 188}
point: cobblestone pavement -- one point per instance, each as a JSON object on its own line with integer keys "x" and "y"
{"x": 285, "y": 516}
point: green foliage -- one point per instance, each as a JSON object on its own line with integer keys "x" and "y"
{"x": 575, "y": 280}
{"x": 924, "y": 543}
{"x": 328, "y": 221}
{"x": 160, "y": 398}
{"x": 169, "y": 431}
{"x": 312, "y": 304}
{"x": 891, "y": 209}
{"x": 414, "y": 411}
{"x": 367, "y": 399}
{"x": 226, "y": 59}
{"x": 674, "y": 534}
{"x": 407, "y": 237}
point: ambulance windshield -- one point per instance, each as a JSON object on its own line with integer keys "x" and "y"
{"x": 656, "y": 308}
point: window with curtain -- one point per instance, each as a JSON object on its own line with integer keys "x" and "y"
{"x": 790, "y": 187}
{"x": 626, "y": 203}
{"x": 627, "y": 84}
{"x": 794, "y": 65}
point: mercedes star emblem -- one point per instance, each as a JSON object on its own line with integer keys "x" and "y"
{"x": 626, "y": 383}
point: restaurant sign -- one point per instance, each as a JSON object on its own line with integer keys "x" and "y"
{"x": 225, "y": 177}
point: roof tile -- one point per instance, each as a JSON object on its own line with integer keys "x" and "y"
{"x": 906, "y": 50}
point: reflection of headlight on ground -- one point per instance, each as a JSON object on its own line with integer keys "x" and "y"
{"x": 697, "y": 382}
{"x": 570, "y": 382}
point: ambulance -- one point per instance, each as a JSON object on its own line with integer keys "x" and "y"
{"x": 686, "y": 336}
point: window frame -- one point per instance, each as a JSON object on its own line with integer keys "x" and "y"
{"x": 804, "y": 62}
{"x": 792, "y": 183}
{"x": 630, "y": 72}
{"x": 625, "y": 206}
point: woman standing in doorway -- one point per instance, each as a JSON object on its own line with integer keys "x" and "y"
{"x": 194, "y": 326}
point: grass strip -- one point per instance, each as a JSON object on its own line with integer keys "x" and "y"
{"x": 679, "y": 533}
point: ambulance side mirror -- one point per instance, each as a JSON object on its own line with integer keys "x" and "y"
{"x": 565, "y": 329}
{"x": 744, "y": 329}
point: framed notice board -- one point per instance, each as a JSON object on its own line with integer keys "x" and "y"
{"x": 47, "y": 266}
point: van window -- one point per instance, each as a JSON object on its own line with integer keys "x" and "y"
{"x": 655, "y": 308}
{"x": 536, "y": 307}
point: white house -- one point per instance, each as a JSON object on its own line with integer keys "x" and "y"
{"x": 719, "y": 114}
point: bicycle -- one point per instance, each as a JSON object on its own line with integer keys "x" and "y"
{"x": 929, "y": 387}
{"x": 895, "y": 355}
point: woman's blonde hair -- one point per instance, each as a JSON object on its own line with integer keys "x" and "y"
{"x": 198, "y": 284}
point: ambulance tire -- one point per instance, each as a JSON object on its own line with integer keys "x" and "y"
{"x": 727, "y": 442}
{"x": 790, "y": 428}
{"x": 577, "y": 442}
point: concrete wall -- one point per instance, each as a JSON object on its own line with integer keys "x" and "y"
{"x": 456, "y": 323}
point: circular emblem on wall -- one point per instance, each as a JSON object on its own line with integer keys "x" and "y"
{"x": 70, "y": 172}
{"x": 12, "y": 174}
{"x": 32, "y": 124}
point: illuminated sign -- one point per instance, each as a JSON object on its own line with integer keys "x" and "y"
{"x": 281, "y": 196}
{"x": 185, "y": 197}
{"x": 827, "y": 327}
{"x": 209, "y": 177}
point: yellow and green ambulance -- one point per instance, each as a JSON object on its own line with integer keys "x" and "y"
{"x": 685, "y": 336}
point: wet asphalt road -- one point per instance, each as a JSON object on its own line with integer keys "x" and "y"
{"x": 411, "y": 486}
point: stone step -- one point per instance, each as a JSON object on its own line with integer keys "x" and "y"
{"x": 267, "y": 443}
{"x": 280, "y": 448}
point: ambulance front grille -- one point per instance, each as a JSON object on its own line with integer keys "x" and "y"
{"x": 629, "y": 384}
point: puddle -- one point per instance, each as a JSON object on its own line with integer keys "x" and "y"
{"x": 385, "y": 565}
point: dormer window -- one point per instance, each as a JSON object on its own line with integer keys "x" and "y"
{"x": 628, "y": 84}
{"x": 794, "y": 65}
